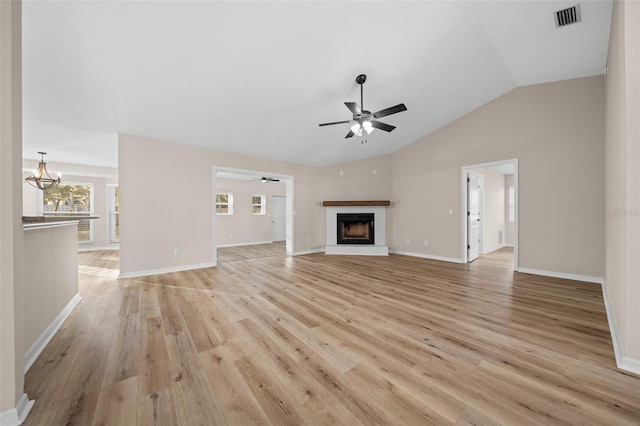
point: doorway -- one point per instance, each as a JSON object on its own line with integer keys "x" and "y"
{"x": 490, "y": 209}
{"x": 258, "y": 202}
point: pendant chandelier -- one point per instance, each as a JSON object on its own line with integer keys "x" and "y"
{"x": 41, "y": 179}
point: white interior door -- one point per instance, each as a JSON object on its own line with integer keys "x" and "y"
{"x": 473, "y": 216}
{"x": 278, "y": 218}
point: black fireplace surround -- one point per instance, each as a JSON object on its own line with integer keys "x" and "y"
{"x": 355, "y": 228}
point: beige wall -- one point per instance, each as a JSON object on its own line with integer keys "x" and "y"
{"x": 492, "y": 220}
{"x": 369, "y": 179}
{"x": 100, "y": 177}
{"x": 556, "y": 130}
{"x": 12, "y": 341}
{"x": 622, "y": 212}
{"x": 243, "y": 227}
{"x": 166, "y": 202}
{"x": 52, "y": 285}
{"x": 509, "y": 227}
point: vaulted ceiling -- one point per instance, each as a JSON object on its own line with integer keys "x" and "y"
{"x": 258, "y": 77}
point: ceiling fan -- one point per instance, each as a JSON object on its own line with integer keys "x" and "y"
{"x": 366, "y": 120}
{"x": 264, "y": 179}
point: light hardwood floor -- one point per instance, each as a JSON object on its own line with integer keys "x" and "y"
{"x": 321, "y": 339}
{"x": 255, "y": 251}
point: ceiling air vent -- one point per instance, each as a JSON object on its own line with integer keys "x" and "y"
{"x": 567, "y": 16}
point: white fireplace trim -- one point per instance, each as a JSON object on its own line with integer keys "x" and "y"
{"x": 378, "y": 249}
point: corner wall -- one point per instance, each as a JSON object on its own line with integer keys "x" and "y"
{"x": 622, "y": 214}
{"x": 14, "y": 405}
{"x": 556, "y": 130}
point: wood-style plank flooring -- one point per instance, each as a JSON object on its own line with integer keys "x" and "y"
{"x": 342, "y": 340}
{"x": 255, "y": 251}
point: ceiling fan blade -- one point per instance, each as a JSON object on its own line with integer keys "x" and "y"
{"x": 392, "y": 110}
{"x": 350, "y": 134}
{"x": 335, "y": 122}
{"x": 354, "y": 108}
{"x": 382, "y": 126}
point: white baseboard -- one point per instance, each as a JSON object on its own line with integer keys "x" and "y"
{"x": 255, "y": 243}
{"x": 623, "y": 362}
{"x": 426, "y": 256}
{"x": 16, "y": 416}
{"x": 116, "y": 247}
{"x": 316, "y": 250}
{"x": 158, "y": 271}
{"x": 553, "y": 274}
{"x": 38, "y": 346}
{"x": 631, "y": 365}
{"x": 613, "y": 329}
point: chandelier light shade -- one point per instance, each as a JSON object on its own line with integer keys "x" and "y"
{"x": 41, "y": 179}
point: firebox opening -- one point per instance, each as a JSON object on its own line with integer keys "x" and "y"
{"x": 355, "y": 228}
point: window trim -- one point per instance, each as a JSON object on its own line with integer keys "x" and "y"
{"x": 229, "y": 204}
{"x": 263, "y": 204}
{"x": 112, "y": 222}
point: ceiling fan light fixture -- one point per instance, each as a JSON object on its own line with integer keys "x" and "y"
{"x": 364, "y": 119}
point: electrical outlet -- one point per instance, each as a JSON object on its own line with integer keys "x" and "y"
{"x": 450, "y": 212}
{"x": 176, "y": 252}
{"x": 426, "y": 243}
{"x": 375, "y": 172}
{"x": 408, "y": 241}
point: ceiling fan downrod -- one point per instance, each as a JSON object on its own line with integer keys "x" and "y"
{"x": 360, "y": 80}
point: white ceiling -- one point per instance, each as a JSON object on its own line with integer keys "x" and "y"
{"x": 258, "y": 77}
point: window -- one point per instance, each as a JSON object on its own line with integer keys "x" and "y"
{"x": 114, "y": 213}
{"x": 258, "y": 204}
{"x": 224, "y": 203}
{"x": 71, "y": 199}
{"x": 512, "y": 204}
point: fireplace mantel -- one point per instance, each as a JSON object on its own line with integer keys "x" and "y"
{"x": 372, "y": 203}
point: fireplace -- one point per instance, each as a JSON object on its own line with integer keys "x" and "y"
{"x": 355, "y": 228}
{"x": 360, "y": 240}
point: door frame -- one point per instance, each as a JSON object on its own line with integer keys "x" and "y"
{"x": 463, "y": 212}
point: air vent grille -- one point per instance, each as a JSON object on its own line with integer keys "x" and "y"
{"x": 567, "y": 16}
